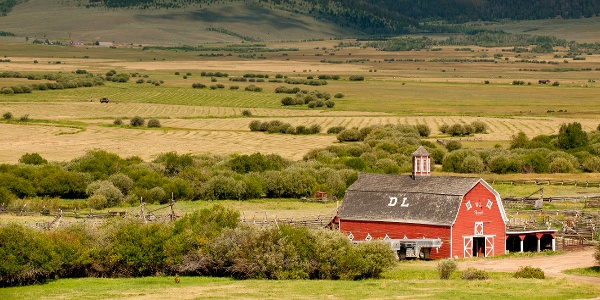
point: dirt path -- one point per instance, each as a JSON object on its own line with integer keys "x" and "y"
{"x": 553, "y": 265}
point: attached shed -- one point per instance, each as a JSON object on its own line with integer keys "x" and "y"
{"x": 465, "y": 213}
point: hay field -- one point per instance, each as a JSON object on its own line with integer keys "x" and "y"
{"x": 63, "y": 131}
{"x": 67, "y": 123}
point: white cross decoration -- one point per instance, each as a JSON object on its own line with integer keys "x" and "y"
{"x": 489, "y": 204}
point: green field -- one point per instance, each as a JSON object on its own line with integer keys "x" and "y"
{"x": 408, "y": 280}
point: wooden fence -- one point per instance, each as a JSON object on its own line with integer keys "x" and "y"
{"x": 561, "y": 182}
{"x": 262, "y": 219}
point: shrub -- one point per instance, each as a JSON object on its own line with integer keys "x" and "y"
{"x": 253, "y": 88}
{"x": 472, "y": 164}
{"x": 519, "y": 141}
{"x": 6, "y": 197}
{"x": 7, "y": 90}
{"x": 246, "y": 113}
{"x": 255, "y": 125}
{"x": 479, "y": 127}
{"x": 26, "y": 256}
{"x": 256, "y": 162}
{"x": 423, "y": 129}
{"x": 223, "y": 187}
{"x": 453, "y": 145}
{"x": 443, "y": 128}
{"x": 24, "y": 118}
{"x": 154, "y": 123}
{"x": 122, "y": 182}
{"x": 198, "y": 85}
{"x": 32, "y": 159}
{"x": 137, "y": 121}
{"x": 234, "y": 87}
{"x": 105, "y": 188}
{"x": 455, "y": 130}
{"x": 474, "y": 274}
{"x": 556, "y": 83}
{"x": 314, "y": 128}
{"x": 137, "y": 249}
{"x": 97, "y": 202}
{"x": 335, "y": 129}
{"x": 329, "y": 104}
{"x": 118, "y": 121}
{"x": 356, "y": 78}
{"x": 591, "y": 164}
{"x": 446, "y": 267}
{"x": 561, "y": 165}
{"x": 529, "y": 272}
{"x": 339, "y": 95}
{"x": 349, "y": 135}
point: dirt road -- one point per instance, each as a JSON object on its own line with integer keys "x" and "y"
{"x": 553, "y": 265}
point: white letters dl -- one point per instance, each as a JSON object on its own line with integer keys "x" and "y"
{"x": 394, "y": 201}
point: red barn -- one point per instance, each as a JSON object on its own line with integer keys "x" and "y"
{"x": 446, "y": 216}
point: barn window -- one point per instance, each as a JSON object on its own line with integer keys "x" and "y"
{"x": 478, "y": 228}
{"x": 351, "y": 236}
{"x": 489, "y": 204}
{"x": 369, "y": 237}
{"x": 468, "y": 205}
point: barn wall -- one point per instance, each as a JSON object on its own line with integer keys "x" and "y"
{"x": 378, "y": 230}
{"x": 493, "y": 224}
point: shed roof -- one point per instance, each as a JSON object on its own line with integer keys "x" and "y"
{"x": 424, "y": 200}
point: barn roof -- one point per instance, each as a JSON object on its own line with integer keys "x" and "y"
{"x": 424, "y": 200}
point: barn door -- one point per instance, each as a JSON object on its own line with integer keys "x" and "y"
{"x": 468, "y": 252}
{"x": 489, "y": 246}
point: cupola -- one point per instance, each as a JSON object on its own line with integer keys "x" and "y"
{"x": 421, "y": 162}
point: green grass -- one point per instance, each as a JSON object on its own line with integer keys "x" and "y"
{"x": 409, "y": 280}
{"x": 591, "y": 271}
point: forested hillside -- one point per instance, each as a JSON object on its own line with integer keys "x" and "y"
{"x": 400, "y": 16}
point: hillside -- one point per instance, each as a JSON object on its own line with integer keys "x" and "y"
{"x": 231, "y": 21}
{"x": 175, "y": 22}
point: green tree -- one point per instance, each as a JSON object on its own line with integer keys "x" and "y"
{"x": 572, "y": 136}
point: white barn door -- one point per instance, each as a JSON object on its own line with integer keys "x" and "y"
{"x": 468, "y": 249}
{"x": 489, "y": 246}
